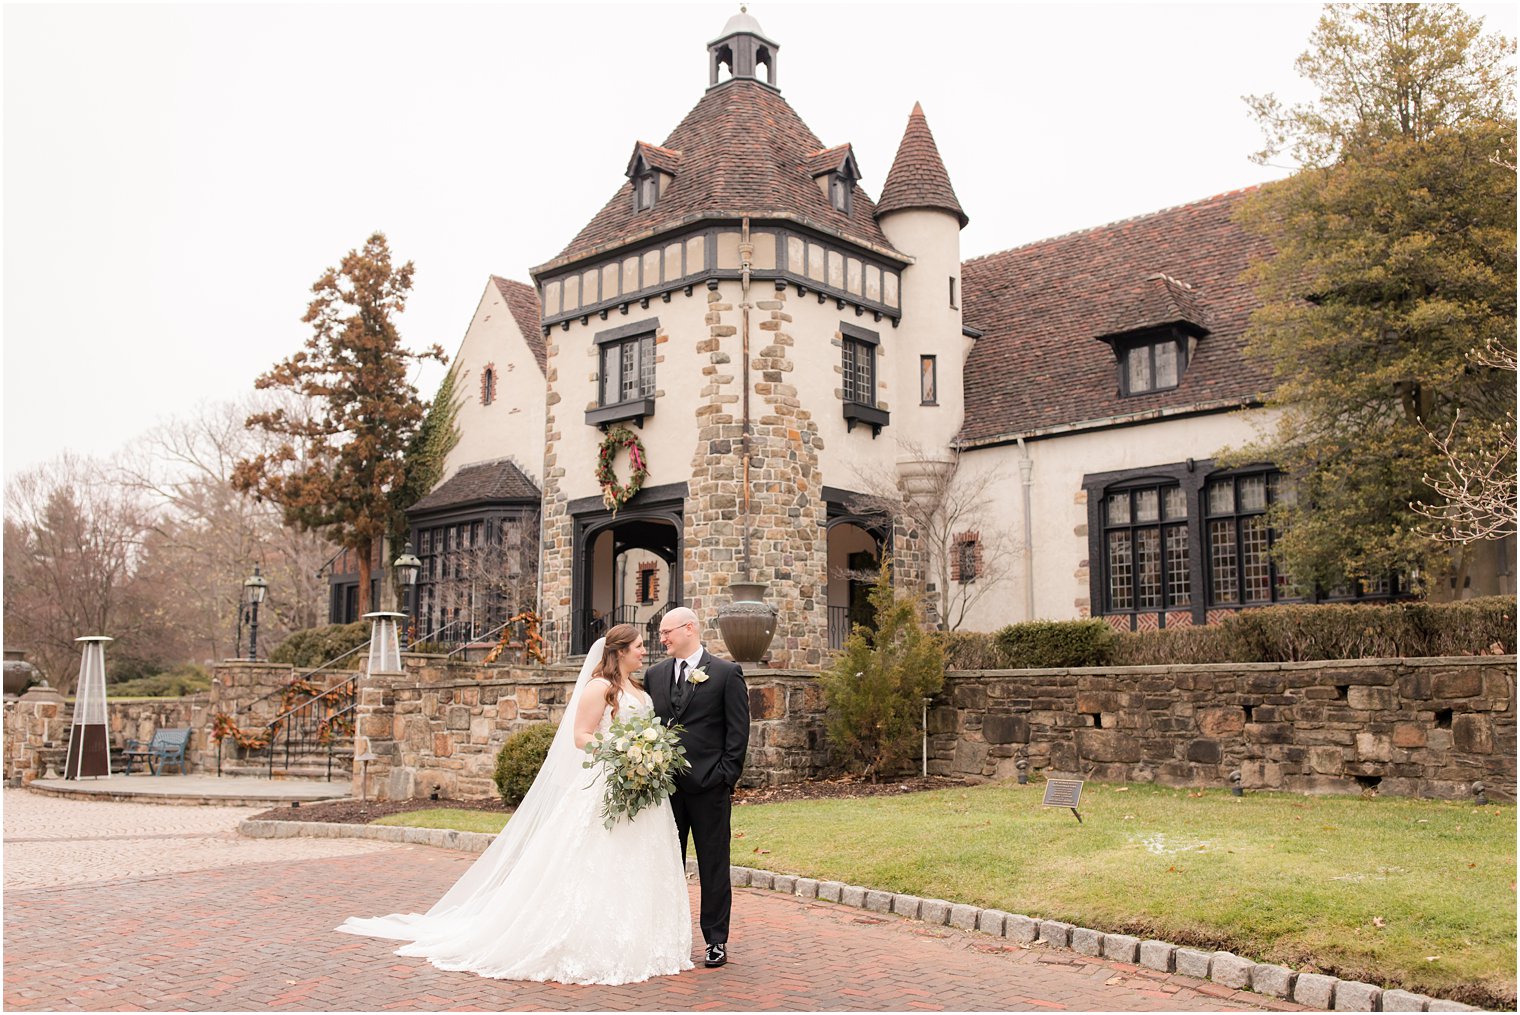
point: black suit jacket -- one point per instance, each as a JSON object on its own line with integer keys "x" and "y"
{"x": 715, "y": 717}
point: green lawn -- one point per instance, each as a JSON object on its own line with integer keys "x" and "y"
{"x": 448, "y": 817}
{"x": 1418, "y": 894}
{"x": 1412, "y": 893}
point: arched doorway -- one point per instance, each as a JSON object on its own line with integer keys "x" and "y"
{"x": 627, "y": 571}
{"x": 855, "y": 546}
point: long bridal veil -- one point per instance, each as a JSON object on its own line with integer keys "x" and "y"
{"x": 535, "y": 816}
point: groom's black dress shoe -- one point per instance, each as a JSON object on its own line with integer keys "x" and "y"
{"x": 717, "y": 955}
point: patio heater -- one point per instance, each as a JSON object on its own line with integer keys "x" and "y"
{"x": 89, "y": 749}
{"x": 254, "y": 589}
{"x": 406, "y": 566}
{"x": 384, "y": 645}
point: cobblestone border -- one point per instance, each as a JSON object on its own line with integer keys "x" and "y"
{"x": 1313, "y": 990}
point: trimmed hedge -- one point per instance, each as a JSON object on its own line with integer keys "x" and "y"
{"x": 187, "y": 678}
{"x": 520, "y": 758}
{"x": 314, "y": 646}
{"x": 1287, "y": 633}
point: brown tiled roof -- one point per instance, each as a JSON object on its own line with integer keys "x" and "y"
{"x": 744, "y": 151}
{"x": 522, "y": 300}
{"x": 1157, "y": 301}
{"x": 1041, "y": 308}
{"x": 918, "y": 178}
{"x": 830, "y": 160}
{"x": 487, "y": 482}
{"x": 663, "y": 159}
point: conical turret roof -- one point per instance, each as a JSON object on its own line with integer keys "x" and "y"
{"x": 918, "y": 178}
{"x": 742, "y": 150}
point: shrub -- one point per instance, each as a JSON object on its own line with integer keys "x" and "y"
{"x": 973, "y": 650}
{"x": 184, "y": 679}
{"x": 1297, "y": 632}
{"x": 1049, "y": 644}
{"x": 310, "y": 648}
{"x": 874, "y": 691}
{"x": 520, "y": 758}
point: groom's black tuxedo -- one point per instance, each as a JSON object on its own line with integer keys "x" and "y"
{"x": 715, "y": 715}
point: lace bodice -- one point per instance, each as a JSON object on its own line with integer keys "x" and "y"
{"x": 629, "y": 703}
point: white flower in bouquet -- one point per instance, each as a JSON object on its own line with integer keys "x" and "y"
{"x": 639, "y": 757}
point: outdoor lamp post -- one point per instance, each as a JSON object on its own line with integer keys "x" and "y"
{"x": 253, "y": 590}
{"x": 407, "y": 565}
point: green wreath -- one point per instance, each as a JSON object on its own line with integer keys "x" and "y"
{"x": 615, "y": 494}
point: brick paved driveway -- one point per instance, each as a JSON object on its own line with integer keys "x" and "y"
{"x": 123, "y": 906}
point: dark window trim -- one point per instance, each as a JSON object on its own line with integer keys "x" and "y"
{"x": 622, "y": 331}
{"x": 933, "y": 362}
{"x": 1190, "y": 476}
{"x": 1161, "y": 484}
{"x": 638, "y": 410}
{"x": 635, "y": 409}
{"x": 871, "y": 416}
{"x": 859, "y": 334}
{"x": 1124, "y": 345}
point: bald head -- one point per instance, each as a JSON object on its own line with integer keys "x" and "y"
{"x": 680, "y": 632}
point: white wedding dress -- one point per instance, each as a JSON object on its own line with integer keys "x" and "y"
{"x": 557, "y": 896}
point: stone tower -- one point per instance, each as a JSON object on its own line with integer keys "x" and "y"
{"x": 737, "y": 307}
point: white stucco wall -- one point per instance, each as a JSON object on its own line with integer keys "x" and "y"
{"x": 669, "y": 436}
{"x": 930, "y": 325}
{"x": 512, "y": 426}
{"x": 1059, "y": 507}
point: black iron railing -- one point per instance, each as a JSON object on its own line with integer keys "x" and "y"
{"x": 316, "y": 726}
{"x": 839, "y": 626}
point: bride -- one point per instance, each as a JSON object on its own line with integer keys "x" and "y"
{"x": 558, "y": 896}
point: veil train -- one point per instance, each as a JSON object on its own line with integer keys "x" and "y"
{"x": 533, "y": 817}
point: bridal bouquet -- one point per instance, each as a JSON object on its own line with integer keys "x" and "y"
{"x": 641, "y": 757}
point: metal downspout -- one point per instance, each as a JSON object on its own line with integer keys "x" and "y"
{"x": 1026, "y": 476}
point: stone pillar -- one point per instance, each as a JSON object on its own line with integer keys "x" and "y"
{"x": 374, "y": 733}
{"x": 36, "y": 730}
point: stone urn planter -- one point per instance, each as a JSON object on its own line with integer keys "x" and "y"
{"x": 748, "y": 622}
{"x": 19, "y": 674}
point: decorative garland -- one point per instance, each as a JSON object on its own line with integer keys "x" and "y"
{"x": 614, "y": 494}
{"x": 224, "y": 726}
{"x": 532, "y": 643}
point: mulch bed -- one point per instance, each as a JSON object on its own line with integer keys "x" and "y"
{"x": 355, "y": 812}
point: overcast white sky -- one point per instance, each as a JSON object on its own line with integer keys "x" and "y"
{"x": 177, "y": 176}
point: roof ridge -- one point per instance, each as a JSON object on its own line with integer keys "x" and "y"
{"x": 1118, "y": 222}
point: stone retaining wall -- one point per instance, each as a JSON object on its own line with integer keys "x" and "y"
{"x": 438, "y": 726}
{"x": 1405, "y": 727}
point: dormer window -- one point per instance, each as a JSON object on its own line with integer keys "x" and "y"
{"x": 839, "y": 192}
{"x": 1153, "y": 333}
{"x": 650, "y": 169}
{"x": 837, "y": 172}
{"x": 1152, "y": 364}
{"x": 646, "y": 190}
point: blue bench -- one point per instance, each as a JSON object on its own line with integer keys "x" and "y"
{"x": 166, "y": 748}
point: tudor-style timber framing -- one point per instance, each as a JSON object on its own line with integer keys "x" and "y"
{"x": 814, "y": 261}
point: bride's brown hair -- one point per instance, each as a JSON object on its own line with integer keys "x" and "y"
{"x": 619, "y": 639}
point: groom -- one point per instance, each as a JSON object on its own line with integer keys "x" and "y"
{"x": 707, "y": 696}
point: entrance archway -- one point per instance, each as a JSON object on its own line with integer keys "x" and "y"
{"x": 627, "y": 571}
{"x": 855, "y": 545}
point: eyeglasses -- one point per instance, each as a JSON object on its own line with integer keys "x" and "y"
{"x": 672, "y": 630}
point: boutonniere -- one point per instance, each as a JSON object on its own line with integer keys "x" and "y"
{"x": 698, "y": 675}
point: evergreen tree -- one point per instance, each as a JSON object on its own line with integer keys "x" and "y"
{"x": 875, "y": 689}
{"x": 348, "y": 477}
{"x": 1388, "y": 312}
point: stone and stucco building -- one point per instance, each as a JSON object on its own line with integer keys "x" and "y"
{"x": 780, "y": 342}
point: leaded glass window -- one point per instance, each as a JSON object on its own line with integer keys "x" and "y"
{"x": 1146, "y": 548}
